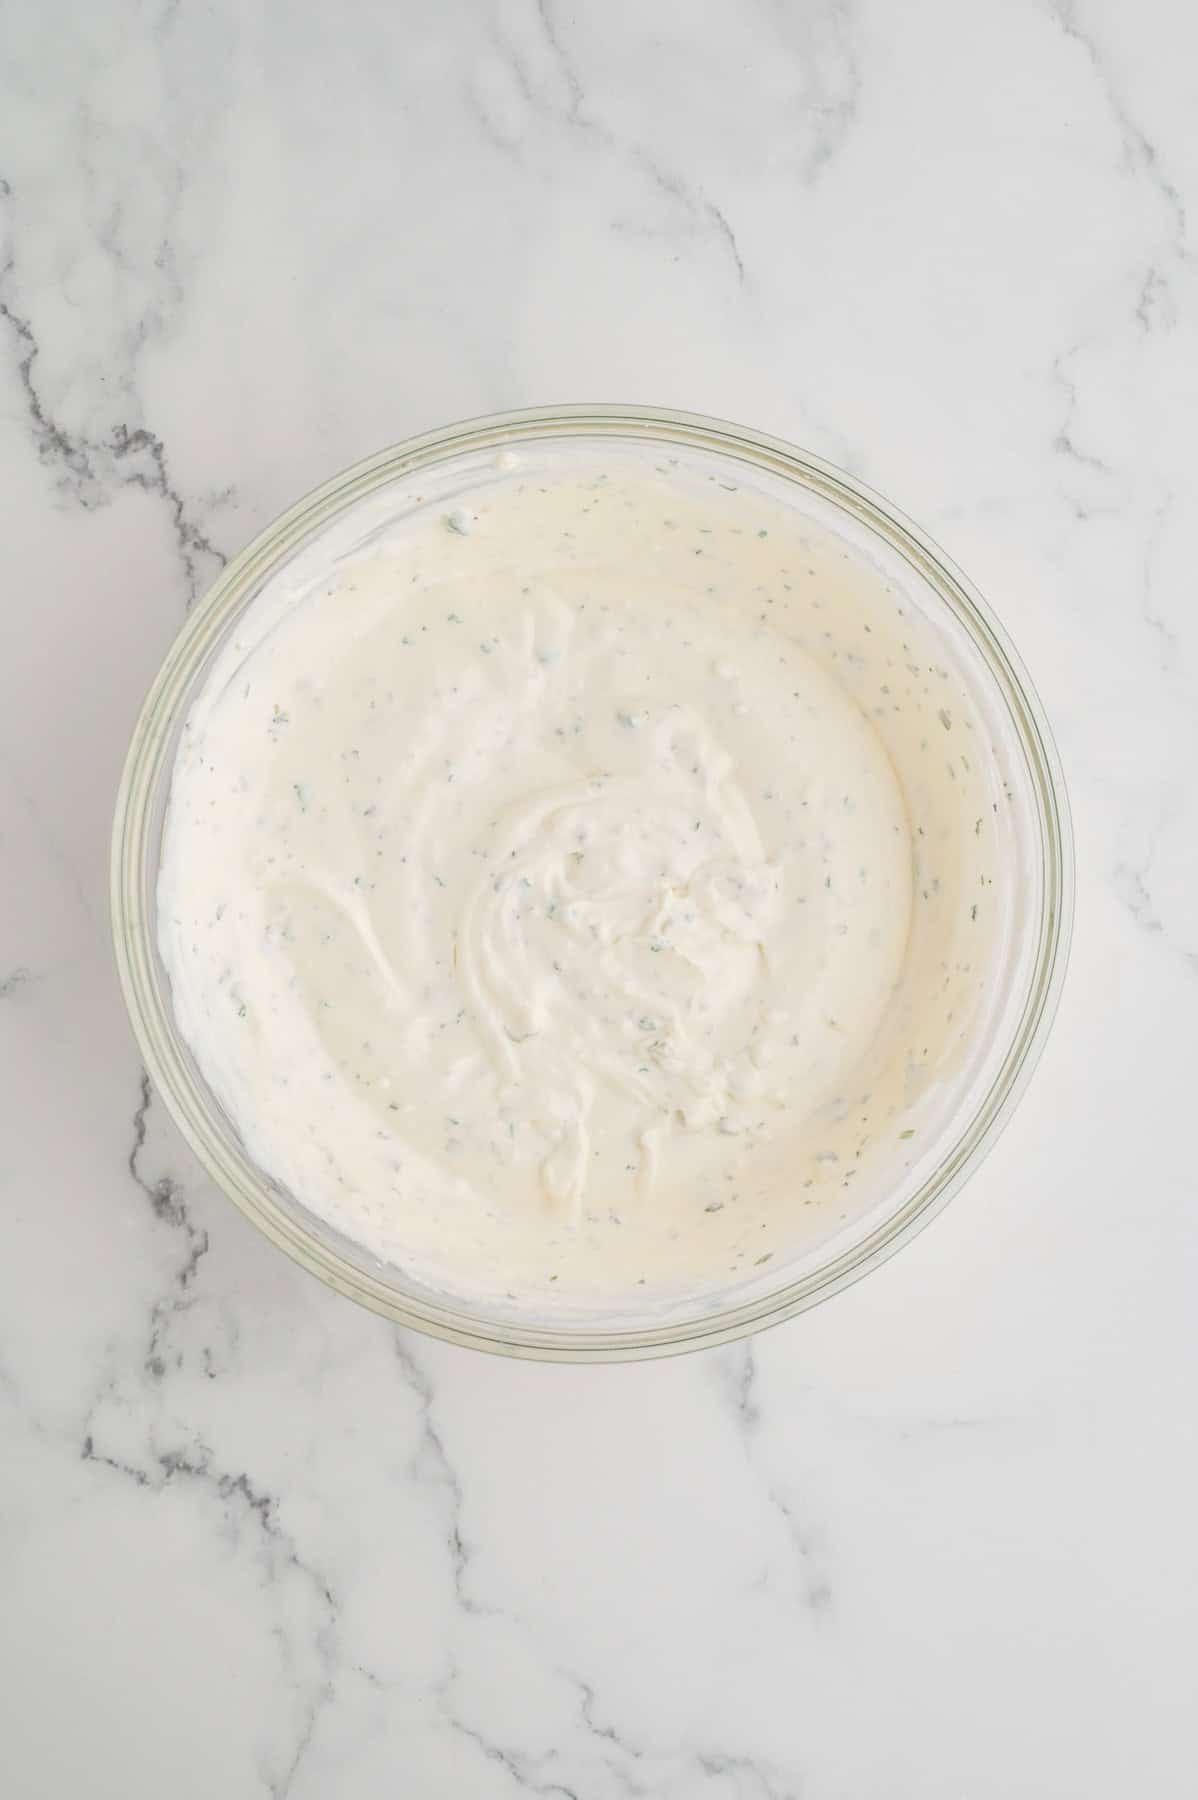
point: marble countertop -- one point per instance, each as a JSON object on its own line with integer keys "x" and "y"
{"x": 933, "y": 1540}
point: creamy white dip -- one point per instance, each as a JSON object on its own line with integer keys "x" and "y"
{"x": 569, "y": 890}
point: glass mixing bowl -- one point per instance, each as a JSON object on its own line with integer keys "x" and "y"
{"x": 1028, "y": 976}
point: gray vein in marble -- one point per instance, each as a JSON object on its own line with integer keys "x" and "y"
{"x": 90, "y": 468}
{"x": 1130, "y": 883}
{"x": 829, "y": 102}
{"x": 431, "y": 1466}
{"x": 12, "y": 1390}
{"x": 89, "y": 1454}
{"x": 520, "y": 1768}
{"x": 169, "y": 1208}
{"x": 161, "y": 1193}
{"x": 14, "y": 981}
{"x": 241, "y": 1498}
{"x": 694, "y": 203}
{"x": 1130, "y": 886}
{"x": 239, "y": 1495}
{"x": 702, "y": 213}
{"x": 917, "y": 1431}
{"x": 500, "y": 134}
{"x": 816, "y": 1586}
{"x": 569, "y": 73}
{"x": 168, "y": 1205}
{"x": 737, "y": 1369}
{"x": 1168, "y": 643}
{"x": 629, "y": 1766}
{"x": 741, "y": 1378}
{"x": 534, "y": 1774}
{"x": 588, "y": 1701}
{"x": 566, "y": 108}
{"x": 1065, "y": 442}
{"x": 1154, "y": 302}
{"x": 742, "y": 1766}
{"x": 1142, "y": 158}
{"x": 614, "y": 1747}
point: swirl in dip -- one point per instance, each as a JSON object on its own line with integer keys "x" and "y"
{"x": 579, "y": 889}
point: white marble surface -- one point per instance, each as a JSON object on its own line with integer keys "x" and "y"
{"x": 934, "y": 1540}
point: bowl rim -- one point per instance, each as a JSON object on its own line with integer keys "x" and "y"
{"x": 154, "y": 1028}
